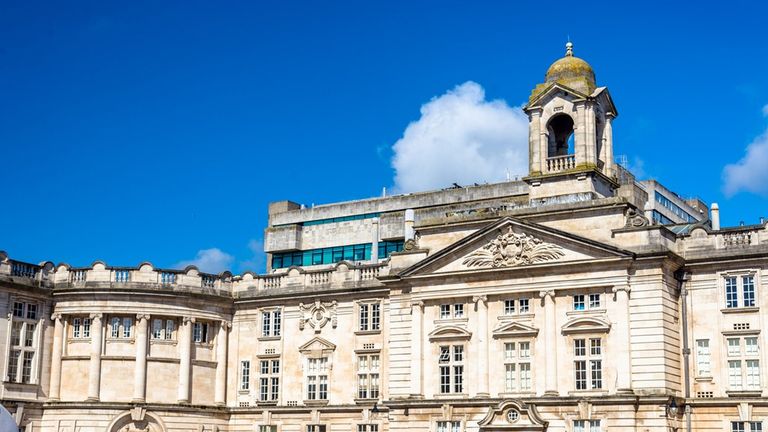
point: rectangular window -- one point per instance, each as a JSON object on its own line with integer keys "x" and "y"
{"x": 740, "y": 291}
{"x": 748, "y": 288}
{"x": 368, "y": 376}
{"x": 127, "y": 326}
{"x": 586, "y": 426}
{"x": 29, "y": 335}
{"x": 169, "y": 326}
{"x": 517, "y": 364}
{"x": 367, "y": 428}
{"x": 509, "y": 307}
{"x": 316, "y": 428}
{"x": 451, "y": 368}
{"x": 449, "y": 426}
{"x": 200, "y": 332}
{"x": 594, "y": 301}
{"x": 578, "y": 302}
{"x": 86, "y": 327}
{"x": 524, "y": 306}
{"x": 458, "y": 310}
{"x": 157, "y": 329}
{"x": 276, "y": 323}
{"x": 18, "y": 309}
{"x": 16, "y": 329}
{"x": 743, "y": 363}
{"x": 269, "y": 380}
{"x": 376, "y": 316}
{"x": 31, "y": 311}
{"x": 271, "y": 323}
{"x": 370, "y": 316}
{"x": 317, "y": 378}
{"x": 245, "y": 375}
{"x": 26, "y": 367}
{"x": 731, "y": 293}
{"x": 734, "y": 374}
{"x": 751, "y": 426}
{"x": 588, "y": 366}
{"x": 703, "y": 357}
{"x": 445, "y": 311}
{"x": 115, "y": 327}
{"x": 76, "y": 327}
{"x": 13, "y": 365}
{"x": 267, "y": 428}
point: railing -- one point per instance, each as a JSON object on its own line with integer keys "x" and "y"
{"x": 24, "y": 270}
{"x": 561, "y": 163}
{"x": 208, "y": 281}
{"x": 369, "y": 273}
{"x": 272, "y": 282}
{"x": 122, "y": 276}
{"x": 77, "y": 276}
{"x": 320, "y": 278}
{"x": 167, "y": 278}
{"x": 737, "y": 239}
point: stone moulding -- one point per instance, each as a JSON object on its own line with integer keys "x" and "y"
{"x": 512, "y": 249}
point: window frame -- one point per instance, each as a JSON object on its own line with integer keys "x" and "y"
{"x": 454, "y": 380}
{"x": 592, "y": 378}
{"x": 317, "y": 368}
{"x": 746, "y": 360}
{"x": 369, "y": 375}
{"x": 743, "y": 293}
{"x": 269, "y": 380}
{"x": 369, "y": 313}
{"x": 271, "y": 323}
{"x": 22, "y": 358}
{"x": 517, "y": 361}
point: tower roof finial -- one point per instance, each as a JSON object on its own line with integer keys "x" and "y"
{"x": 569, "y": 48}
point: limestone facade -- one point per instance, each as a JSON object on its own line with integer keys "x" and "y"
{"x": 555, "y": 303}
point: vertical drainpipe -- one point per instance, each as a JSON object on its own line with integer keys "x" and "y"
{"x": 683, "y": 277}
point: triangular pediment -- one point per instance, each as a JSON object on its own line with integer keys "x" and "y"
{"x": 449, "y": 333}
{"x": 550, "y": 91}
{"x": 586, "y": 325}
{"x": 511, "y": 243}
{"x": 317, "y": 344}
{"x": 515, "y": 329}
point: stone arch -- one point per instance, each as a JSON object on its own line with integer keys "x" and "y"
{"x": 560, "y": 128}
{"x": 136, "y": 420}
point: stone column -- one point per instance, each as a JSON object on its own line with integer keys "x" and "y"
{"x": 608, "y": 135}
{"x": 94, "y": 370}
{"x": 185, "y": 358}
{"x": 621, "y": 329}
{"x": 481, "y": 345}
{"x": 140, "y": 372}
{"x": 375, "y": 241}
{"x": 543, "y": 135}
{"x": 550, "y": 341}
{"x": 534, "y": 142}
{"x": 580, "y": 135}
{"x": 417, "y": 316}
{"x": 58, "y": 336}
{"x": 220, "y": 397}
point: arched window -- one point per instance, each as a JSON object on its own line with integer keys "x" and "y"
{"x": 560, "y": 136}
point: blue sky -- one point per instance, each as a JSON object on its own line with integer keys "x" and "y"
{"x": 155, "y": 130}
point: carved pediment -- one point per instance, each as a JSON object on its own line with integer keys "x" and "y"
{"x": 449, "y": 333}
{"x": 586, "y": 325}
{"x": 513, "y": 249}
{"x": 510, "y": 244}
{"x": 317, "y": 345}
{"x": 513, "y": 415}
{"x": 515, "y": 329}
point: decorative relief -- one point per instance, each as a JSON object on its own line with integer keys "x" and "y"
{"x": 636, "y": 219}
{"x": 317, "y": 315}
{"x": 512, "y": 249}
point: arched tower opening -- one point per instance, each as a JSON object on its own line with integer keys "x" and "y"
{"x": 560, "y": 129}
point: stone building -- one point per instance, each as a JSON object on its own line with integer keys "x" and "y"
{"x": 577, "y": 299}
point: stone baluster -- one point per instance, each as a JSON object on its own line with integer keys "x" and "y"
{"x": 417, "y": 317}
{"x": 550, "y": 342}
{"x": 94, "y": 370}
{"x": 621, "y": 327}
{"x": 140, "y": 372}
{"x": 481, "y": 345}
{"x": 221, "y": 364}
{"x": 58, "y": 340}
{"x": 185, "y": 358}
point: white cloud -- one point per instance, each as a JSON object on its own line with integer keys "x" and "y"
{"x": 257, "y": 262}
{"x": 750, "y": 174}
{"x": 212, "y": 260}
{"x": 765, "y": 110}
{"x": 461, "y": 138}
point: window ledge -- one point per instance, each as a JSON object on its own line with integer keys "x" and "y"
{"x": 163, "y": 341}
{"x": 208, "y": 345}
{"x": 451, "y": 396}
{"x": 243, "y": 391}
{"x": 366, "y": 401}
{"x": 316, "y": 402}
{"x": 587, "y": 312}
{"x": 743, "y": 393}
{"x": 598, "y": 392}
{"x": 121, "y": 340}
{"x": 525, "y": 316}
{"x": 740, "y": 310}
{"x": 269, "y": 338}
{"x": 451, "y": 321}
{"x": 368, "y": 332}
{"x": 266, "y": 403}
{"x": 517, "y": 394}
{"x": 703, "y": 379}
{"x": 79, "y": 340}
{"x": 28, "y": 386}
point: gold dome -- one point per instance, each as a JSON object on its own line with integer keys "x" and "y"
{"x": 572, "y": 72}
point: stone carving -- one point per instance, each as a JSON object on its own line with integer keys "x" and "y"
{"x": 317, "y": 315}
{"x": 511, "y": 249}
{"x": 636, "y": 219}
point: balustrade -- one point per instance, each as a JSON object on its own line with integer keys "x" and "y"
{"x": 561, "y": 163}
{"x": 122, "y": 276}
{"x": 24, "y": 270}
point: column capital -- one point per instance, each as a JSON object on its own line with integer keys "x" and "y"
{"x": 96, "y": 316}
{"x": 188, "y": 319}
{"x": 618, "y": 288}
{"x": 547, "y": 293}
{"x": 480, "y": 298}
{"x": 417, "y": 303}
{"x": 142, "y": 316}
{"x": 226, "y": 324}
{"x": 56, "y": 316}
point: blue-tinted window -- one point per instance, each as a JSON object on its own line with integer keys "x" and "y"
{"x": 666, "y": 202}
{"x": 331, "y": 255}
{"x": 340, "y": 219}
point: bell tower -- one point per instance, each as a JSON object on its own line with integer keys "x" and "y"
{"x": 569, "y": 133}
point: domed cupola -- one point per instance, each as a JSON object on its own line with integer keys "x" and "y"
{"x": 572, "y": 72}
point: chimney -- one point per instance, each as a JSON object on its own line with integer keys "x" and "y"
{"x": 409, "y": 217}
{"x": 715, "y": 210}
